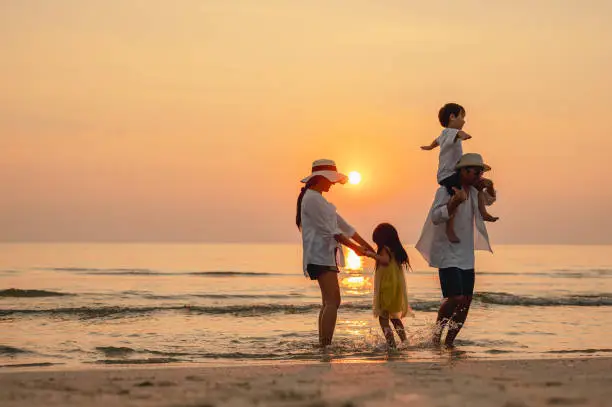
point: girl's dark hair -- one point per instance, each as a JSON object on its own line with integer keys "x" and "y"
{"x": 385, "y": 235}
{"x": 447, "y": 110}
{"x": 298, "y": 215}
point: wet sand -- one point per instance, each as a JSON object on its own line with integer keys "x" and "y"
{"x": 519, "y": 383}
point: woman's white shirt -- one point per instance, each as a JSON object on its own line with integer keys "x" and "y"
{"x": 320, "y": 223}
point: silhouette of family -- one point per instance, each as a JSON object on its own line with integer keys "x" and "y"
{"x": 454, "y": 229}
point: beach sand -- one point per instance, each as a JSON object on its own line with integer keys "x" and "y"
{"x": 558, "y": 382}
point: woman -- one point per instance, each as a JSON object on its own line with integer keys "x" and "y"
{"x": 323, "y": 231}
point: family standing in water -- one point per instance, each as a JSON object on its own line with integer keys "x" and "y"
{"x": 453, "y": 230}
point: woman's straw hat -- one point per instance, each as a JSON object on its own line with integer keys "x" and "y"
{"x": 327, "y": 169}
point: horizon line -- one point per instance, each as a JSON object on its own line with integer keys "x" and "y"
{"x": 285, "y": 243}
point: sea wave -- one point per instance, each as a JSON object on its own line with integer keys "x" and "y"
{"x": 232, "y": 273}
{"x": 86, "y": 270}
{"x": 501, "y": 298}
{"x": 586, "y": 273}
{"x": 300, "y": 350}
{"x": 38, "y": 364}
{"x": 248, "y": 296}
{"x": 113, "y": 351}
{"x": 25, "y": 293}
{"x": 123, "y": 351}
{"x": 138, "y": 361}
{"x": 9, "y": 350}
{"x": 554, "y": 273}
{"x": 213, "y": 355}
{"x": 15, "y": 292}
{"x": 583, "y": 351}
{"x": 212, "y": 296}
{"x": 236, "y": 310}
{"x": 254, "y": 310}
{"x": 150, "y": 272}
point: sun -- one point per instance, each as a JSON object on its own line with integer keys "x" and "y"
{"x": 353, "y": 261}
{"x": 354, "y": 177}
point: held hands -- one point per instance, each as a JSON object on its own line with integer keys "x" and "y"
{"x": 360, "y": 251}
{"x": 363, "y": 252}
{"x": 370, "y": 254}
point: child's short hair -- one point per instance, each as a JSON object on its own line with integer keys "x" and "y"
{"x": 447, "y": 110}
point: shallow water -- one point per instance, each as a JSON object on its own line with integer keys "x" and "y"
{"x": 77, "y": 304}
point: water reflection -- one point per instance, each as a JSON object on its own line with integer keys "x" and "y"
{"x": 354, "y": 281}
{"x": 353, "y": 261}
{"x": 356, "y": 284}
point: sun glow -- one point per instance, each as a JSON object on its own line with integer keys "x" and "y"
{"x": 353, "y": 262}
{"x": 354, "y": 177}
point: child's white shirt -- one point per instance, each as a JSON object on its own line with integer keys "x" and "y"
{"x": 450, "y": 153}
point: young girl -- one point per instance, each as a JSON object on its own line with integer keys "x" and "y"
{"x": 390, "y": 297}
{"x": 323, "y": 231}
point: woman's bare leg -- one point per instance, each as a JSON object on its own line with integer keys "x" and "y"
{"x": 330, "y": 292}
{"x": 320, "y": 323}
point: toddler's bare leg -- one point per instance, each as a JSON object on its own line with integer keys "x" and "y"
{"x": 482, "y": 207}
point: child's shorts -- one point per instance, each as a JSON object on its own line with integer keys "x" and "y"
{"x": 450, "y": 182}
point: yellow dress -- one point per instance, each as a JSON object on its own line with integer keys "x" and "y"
{"x": 390, "y": 296}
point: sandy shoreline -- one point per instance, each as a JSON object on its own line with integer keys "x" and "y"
{"x": 560, "y": 382}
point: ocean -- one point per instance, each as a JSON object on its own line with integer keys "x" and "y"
{"x": 78, "y": 305}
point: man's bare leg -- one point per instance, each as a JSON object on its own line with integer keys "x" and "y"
{"x": 457, "y": 320}
{"x": 445, "y": 313}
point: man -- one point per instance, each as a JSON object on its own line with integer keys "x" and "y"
{"x": 455, "y": 261}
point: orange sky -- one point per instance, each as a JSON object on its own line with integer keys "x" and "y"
{"x": 154, "y": 120}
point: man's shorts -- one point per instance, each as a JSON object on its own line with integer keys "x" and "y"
{"x": 455, "y": 281}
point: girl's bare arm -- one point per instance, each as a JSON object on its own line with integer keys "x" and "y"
{"x": 357, "y": 237}
{"x": 383, "y": 258}
{"x": 350, "y": 244}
